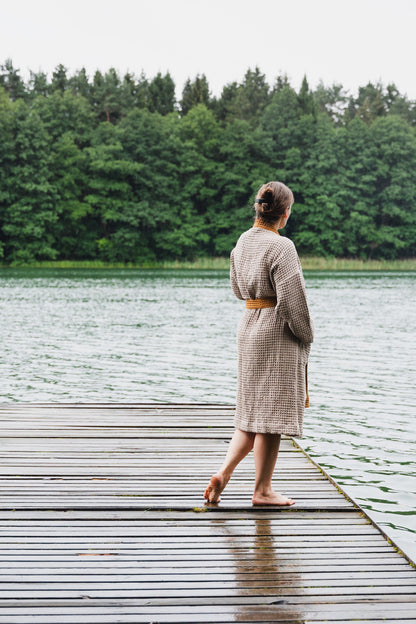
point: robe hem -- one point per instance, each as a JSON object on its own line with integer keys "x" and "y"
{"x": 260, "y": 429}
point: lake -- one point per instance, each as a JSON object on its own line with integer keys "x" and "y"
{"x": 169, "y": 336}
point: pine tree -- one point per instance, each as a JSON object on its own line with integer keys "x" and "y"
{"x": 11, "y": 81}
{"x": 161, "y": 94}
{"x": 306, "y": 99}
{"x": 79, "y": 83}
{"x": 59, "y": 79}
{"x": 38, "y": 85}
{"x": 196, "y": 92}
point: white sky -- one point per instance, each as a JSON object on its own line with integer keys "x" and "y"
{"x": 347, "y": 41}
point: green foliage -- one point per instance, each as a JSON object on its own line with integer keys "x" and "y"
{"x": 65, "y": 112}
{"x": 306, "y": 99}
{"x": 161, "y": 94}
{"x": 11, "y": 81}
{"x": 332, "y": 100}
{"x": 111, "y": 169}
{"x": 196, "y": 92}
{"x": 246, "y": 100}
{"x": 38, "y": 85}
{"x": 30, "y": 212}
{"x": 79, "y": 85}
{"x": 395, "y": 199}
{"x": 59, "y": 79}
{"x": 6, "y": 160}
{"x": 106, "y": 95}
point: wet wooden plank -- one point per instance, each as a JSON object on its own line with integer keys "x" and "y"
{"x": 176, "y": 518}
{"x": 224, "y": 595}
{"x": 172, "y": 531}
{"x": 216, "y": 575}
{"x": 133, "y": 569}
{"x": 238, "y": 559}
{"x": 244, "y": 613}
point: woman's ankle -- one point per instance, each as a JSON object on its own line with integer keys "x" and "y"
{"x": 263, "y": 490}
{"x": 224, "y": 474}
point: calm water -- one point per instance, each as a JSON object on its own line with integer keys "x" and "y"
{"x": 128, "y": 335}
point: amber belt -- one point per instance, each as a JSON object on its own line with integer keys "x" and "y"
{"x": 255, "y": 304}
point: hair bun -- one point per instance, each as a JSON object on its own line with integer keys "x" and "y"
{"x": 265, "y": 208}
{"x": 267, "y": 194}
{"x": 266, "y": 204}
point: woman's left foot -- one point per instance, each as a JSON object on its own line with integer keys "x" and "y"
{"x": 272, "y": 499}
{"x": 213, "y": 491}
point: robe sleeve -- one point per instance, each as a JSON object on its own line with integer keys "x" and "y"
{"x": 287, "y": 277}
{"x": 233, "y": 278}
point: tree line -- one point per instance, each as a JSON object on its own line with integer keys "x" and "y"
{"x": 116, "y": 168}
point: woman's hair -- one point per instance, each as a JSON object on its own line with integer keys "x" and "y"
{"x": 272, "y": 200}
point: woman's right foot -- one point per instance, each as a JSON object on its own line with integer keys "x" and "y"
{"x": 272, "y": 498}
{"x": 213, "y": 491}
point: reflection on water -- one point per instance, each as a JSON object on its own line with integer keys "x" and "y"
{"x": 126, "y": 335}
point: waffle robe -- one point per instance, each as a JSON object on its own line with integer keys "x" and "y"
{"x": 273, "y": 343}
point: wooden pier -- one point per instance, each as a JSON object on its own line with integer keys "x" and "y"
{"x": 102, "y": 519}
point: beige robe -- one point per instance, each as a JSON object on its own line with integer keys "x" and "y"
{"x": 273, "y": 343}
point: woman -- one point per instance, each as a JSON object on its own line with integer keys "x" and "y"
{"x": 274, "y": 337}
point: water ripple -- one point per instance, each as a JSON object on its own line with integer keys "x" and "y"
{"x": 127, "y": 335}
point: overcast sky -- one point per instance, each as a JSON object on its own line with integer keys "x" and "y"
{"x": 349, "y": 42}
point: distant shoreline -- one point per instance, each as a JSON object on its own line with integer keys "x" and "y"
{"x": 309, "y": 263}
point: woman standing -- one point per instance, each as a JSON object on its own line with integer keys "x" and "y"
{"x": 274, "y": 337}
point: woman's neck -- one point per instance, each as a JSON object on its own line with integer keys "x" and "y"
{"x": 267, "y": 226}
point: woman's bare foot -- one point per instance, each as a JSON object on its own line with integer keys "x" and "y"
{"x": 272, "y": 498}
{"x": 213, "y": 491}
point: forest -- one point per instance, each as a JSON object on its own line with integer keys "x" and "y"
{"x": 118, "y": 168}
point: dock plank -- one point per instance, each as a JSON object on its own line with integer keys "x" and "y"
{"x": 102, "y": 520}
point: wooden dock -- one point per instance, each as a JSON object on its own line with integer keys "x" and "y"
{"x": 103, "y": 520}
